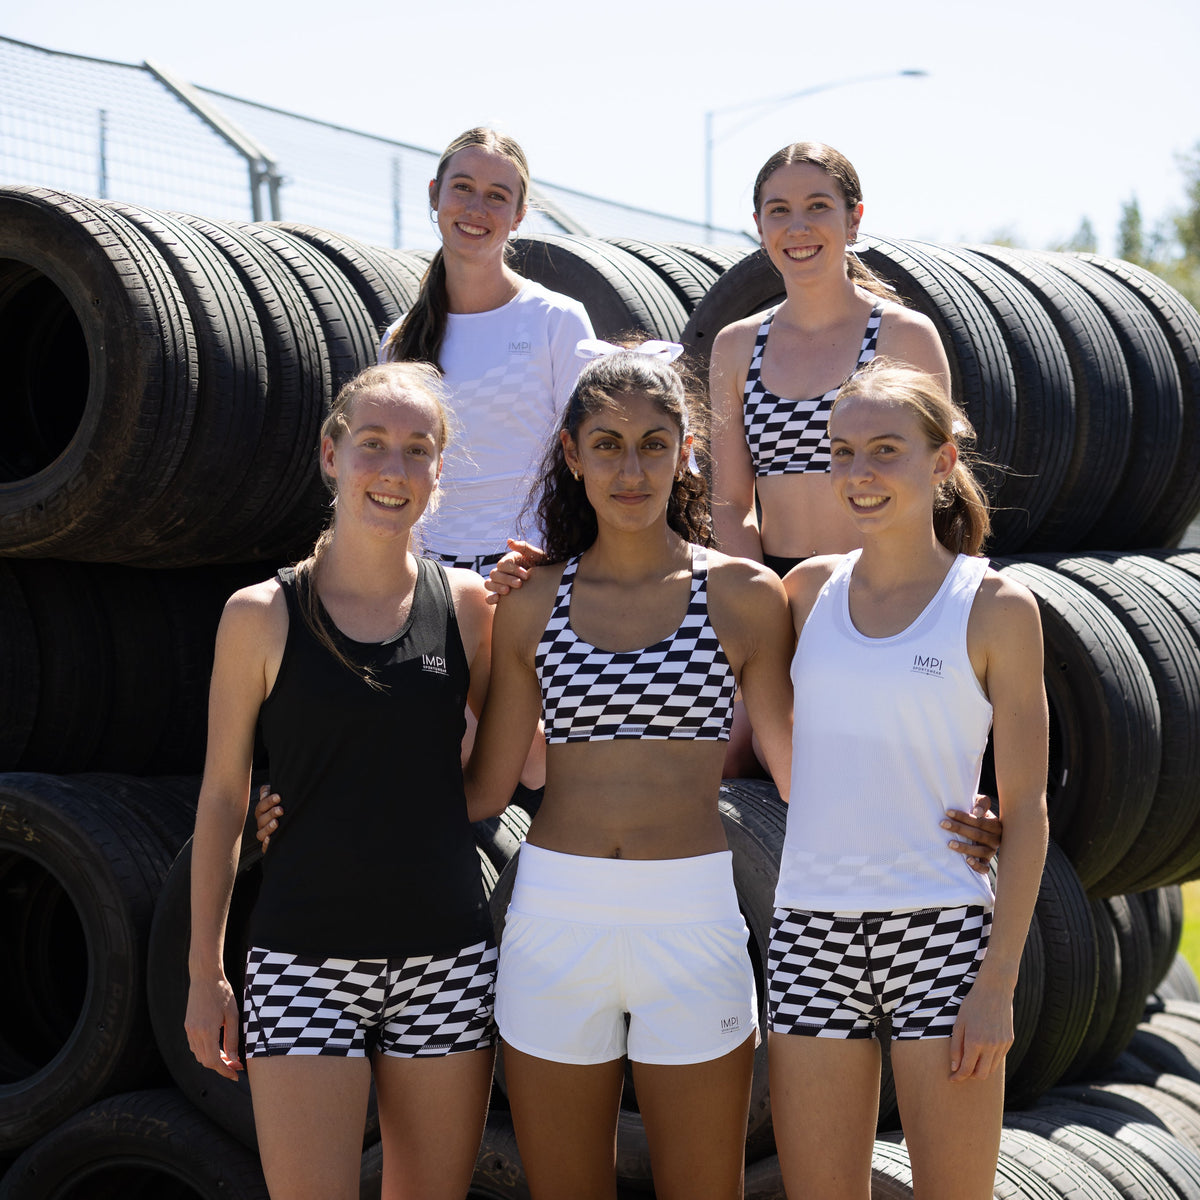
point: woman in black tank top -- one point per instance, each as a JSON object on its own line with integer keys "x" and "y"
{"x": 360, "y": 662}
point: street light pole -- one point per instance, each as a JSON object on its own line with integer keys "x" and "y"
{"x": 762, "y": 105}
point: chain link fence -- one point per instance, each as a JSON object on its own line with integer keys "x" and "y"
{"x": 135, "y": 133}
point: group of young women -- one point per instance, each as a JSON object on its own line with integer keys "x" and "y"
{"x": 626, "y": 645}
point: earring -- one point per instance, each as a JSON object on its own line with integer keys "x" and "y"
{"x": 576, "y": 475}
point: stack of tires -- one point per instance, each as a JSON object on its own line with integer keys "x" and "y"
{"x": 167, "y": 376}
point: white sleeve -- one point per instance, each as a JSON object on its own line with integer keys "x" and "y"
{"x": 567, "y": 328}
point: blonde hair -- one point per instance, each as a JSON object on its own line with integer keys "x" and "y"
{"x": 961, "y": 517}
{"x": 408, "y": 377}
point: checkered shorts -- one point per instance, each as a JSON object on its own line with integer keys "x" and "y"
{"x": 408, "y": 1007}
{"x": 839, "y": 976}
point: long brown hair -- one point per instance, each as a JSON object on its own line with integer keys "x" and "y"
{"x": 961, "y": 517}
{"x": 839, "y": 169}
{"x": 419, "y": 336}
{"x": 564, "y": 513}
{"x": 408, "y": 377}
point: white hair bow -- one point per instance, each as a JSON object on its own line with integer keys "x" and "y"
{"x": 595, "y": 348}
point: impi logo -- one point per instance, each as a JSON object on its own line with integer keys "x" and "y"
{"x": 435, "y": 664}
{"x": 730, "y": 1024}
{"x": 927, "y": 664}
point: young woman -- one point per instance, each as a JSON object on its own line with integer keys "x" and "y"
{"x": 836, "y": 317}
{"x": 368, "y": 957}
{"x": 770, "y": 452}
{"x": 505, "y": 347}
{"x": 909, "y": 650}
{"x": 631, "y": 644}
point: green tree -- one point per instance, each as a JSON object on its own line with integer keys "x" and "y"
{"x": 1187, "y": 223}
{"x": 1083, "y": 239}
{"x": 1131, "y": 242}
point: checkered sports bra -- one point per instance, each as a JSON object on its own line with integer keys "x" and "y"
{"x": 681, "y": 687}
{"x": 791, "y": 437}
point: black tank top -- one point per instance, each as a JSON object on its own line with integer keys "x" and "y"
{"x": 374, "y": 857}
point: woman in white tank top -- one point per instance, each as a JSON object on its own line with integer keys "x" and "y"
{"x": 908, "y": 650}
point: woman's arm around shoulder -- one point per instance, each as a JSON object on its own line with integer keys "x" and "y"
{"x": 513, "y": 703}
{"x": 734, "y": 518}
{"x": 750, "y": 616}
{"x": 250, "y": 642}
{"x": 1004, "y": 639}
{"x": 909, "y": 336}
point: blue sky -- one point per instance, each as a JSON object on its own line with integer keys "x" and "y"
{"x": 1032, "y": 116}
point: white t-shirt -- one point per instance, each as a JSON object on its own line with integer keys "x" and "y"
{"x": 509, "y": 373}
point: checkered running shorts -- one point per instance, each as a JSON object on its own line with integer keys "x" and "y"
{"x": 408, "y": 1007}
{"x": 481, "y": 564}
{"x": 839, "y": 976}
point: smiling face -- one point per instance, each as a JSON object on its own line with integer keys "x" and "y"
{"x": 386, "y": 459}
{"x": 884, "y": 470}
{"x": 479, "y": 199}
{"x": 629, "y": 454}
{"x": 803, "y": 220}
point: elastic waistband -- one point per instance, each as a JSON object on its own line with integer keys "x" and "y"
{"x": 625, "y": 891}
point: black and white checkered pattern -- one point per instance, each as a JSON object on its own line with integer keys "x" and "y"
{"x": 409, "y": 1007}
{"x": 839, "y": 976}
{"x": 682, "y": 687}
{"x": 481, "y": 564}
{"x": 791, "y": 437}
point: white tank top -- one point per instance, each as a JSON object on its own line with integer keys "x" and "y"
{"x": 889, "y": 733}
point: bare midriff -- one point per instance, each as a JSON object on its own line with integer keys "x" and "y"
{"x": 801, "y": 517}
{"x": 632, "y": 799}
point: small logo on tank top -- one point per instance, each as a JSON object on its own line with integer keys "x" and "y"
{"x": 520, "y": 349}
{"x": 927, "y": 664}
{"x": 730, "y": 1024}
{"x": 434, "y": 664}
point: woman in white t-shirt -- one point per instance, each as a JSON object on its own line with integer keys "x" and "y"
{"x": 505, "y": 346}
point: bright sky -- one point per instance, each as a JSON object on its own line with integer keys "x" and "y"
{"x": 1034, "y": 113}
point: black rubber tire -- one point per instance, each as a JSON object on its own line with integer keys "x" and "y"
{"x": 687, "y": 277}
{"x": 891, "y": 1172}
{"x": 1109, "y": 977}
{"x": 1164, "y": 908}
{"x": 81, "y": 879}
{"x": 386, "y": 288}
{"x": 1129, "y": 922}
{"x": 231, "y": 400}
{"x": 1105, "y": 743}
{"x": 1167, "y": 646}
{"x": 1131, "y": 1174}
{"x": 1140, "y": 511}
{"x": 1033, "y": 481}
{"x": 747, "y": 287}
{"x": 222, "y": 1100}
{"x": 1166, "y": 1052}
{"x": 1180, "y": 982}
{"x": 346, "y": 321}
{"x": 498, "y": 1171}
{"x": 621, "y": 293}
{"x": 20, "y": 668}
{"x": 500, "y": 837}
{"x": 1149, "y": 1104}
{"x": 1103, "y": 397}
{"x": 1176, "y": 1162}
{"x": 98, "y": 310}
{"x": 282, "y": 505}
{"x": 1069, "y": 1176}
{"x": 1180, "y": 322}
{"x": 981, "y": 374}
{"x": 1181, "y": 739}
{"x": 1065, "y": 921}
{"x": 1027, "y": 998}
{"x": 150, "y": 1143}
{"x": 719, "y": 258}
